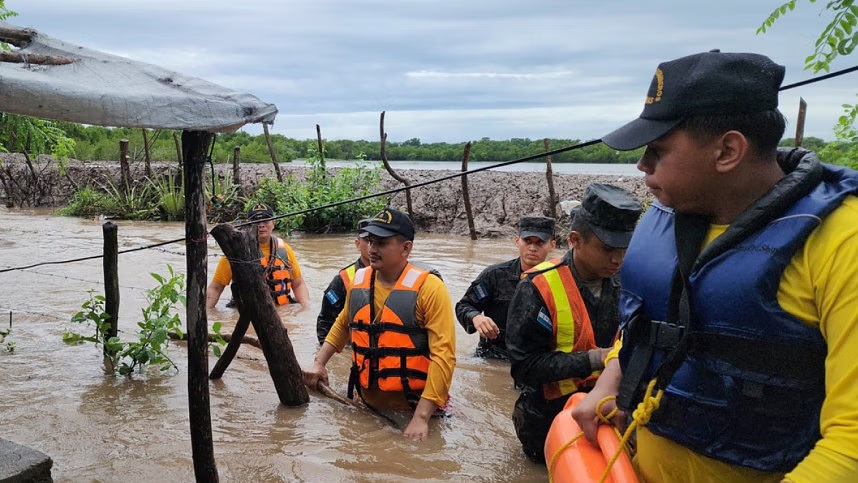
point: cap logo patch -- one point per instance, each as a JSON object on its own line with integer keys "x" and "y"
{"x": 659, "y": 87}
{"x": 384, "y": 217}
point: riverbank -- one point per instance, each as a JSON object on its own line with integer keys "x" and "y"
{"x": 498, "y": 198}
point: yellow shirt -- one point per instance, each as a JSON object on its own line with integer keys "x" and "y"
{"x": 820, "y": 287}
{"x": 223, "y": 272}
{"x": 435, "y": 314}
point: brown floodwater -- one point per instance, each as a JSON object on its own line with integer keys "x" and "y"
{"x": 56, "y": 397}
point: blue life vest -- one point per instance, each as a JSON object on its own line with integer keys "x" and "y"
{"x": 749, "y": 392}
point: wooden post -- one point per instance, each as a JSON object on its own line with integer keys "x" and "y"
{"x": 799, "y": 124}
{"x": 146, "y": 155}
{"x": 549, "y": 176}
{"x": 254, "y": 302}
{"x": 390, "y": 170}
{"x": 236, "y": 169}
{"x": 124, "y": 169}
{"x": 231, "y": 347}
{"x": 111, "y": 281}
{"x": 178, "y": 148}
{"x": 321, "y": 149}
{"x": 194, "y": 151}
{"x": 465, "y": 194}
{"x": 271, "y": 151}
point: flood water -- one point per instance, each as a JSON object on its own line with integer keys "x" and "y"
{"x": 56, "y": 397}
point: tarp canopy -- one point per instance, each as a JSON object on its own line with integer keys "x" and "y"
{"x": 51, "y": 79}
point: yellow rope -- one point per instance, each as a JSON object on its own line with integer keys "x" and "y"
{"x": 557, "y": 453}
{"x": 640, "y": 417}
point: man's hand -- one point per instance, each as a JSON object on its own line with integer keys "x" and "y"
{"x": 314, "y": 375}
{"x": 485, "y": 326}
{"x": 418, "y": 427}
{"x": 585, "y": 412}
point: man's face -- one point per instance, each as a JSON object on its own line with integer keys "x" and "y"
{"x": 679, "y": 171}
{"x": 362, "y": 245}
{"x": 593, "y": 259}
{"x": 387, "y": 253}
{"x": 264, "y": 229}
{"x": 533, "y": 250}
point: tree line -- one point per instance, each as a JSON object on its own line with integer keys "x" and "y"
{"x": 95, "y": 143}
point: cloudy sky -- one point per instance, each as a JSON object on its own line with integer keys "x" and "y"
{"x": 445, "y": 70}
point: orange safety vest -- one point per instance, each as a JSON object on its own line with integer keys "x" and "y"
{"x": 347, "y": 275}
{"x": 390, "y": 353}
{"x": 278, "y": 273}
{"x": 571, "y": 324}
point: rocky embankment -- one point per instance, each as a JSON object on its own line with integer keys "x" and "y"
{"x": 498, "y": 198}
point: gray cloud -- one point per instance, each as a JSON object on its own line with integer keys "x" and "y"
{"x": 443, "y": 70}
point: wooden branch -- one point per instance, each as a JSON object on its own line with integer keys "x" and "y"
{"x": 325, "y": 390}
{"x": 390, "y": 169}
{"x": 247, "y": 339}
{"x": 39, "y": 59}
{"x": 465, "y": 194}
{"x": 232, "y": 347}
{"x": 549, "y": 175}
{"x": 271, "y": 151}
{"x": 17, "y": 36}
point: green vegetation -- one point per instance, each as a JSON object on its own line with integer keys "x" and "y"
{"x": 838, "y": 38}
{"x": 159, "y": 321}
{"x": 319, "y": 189}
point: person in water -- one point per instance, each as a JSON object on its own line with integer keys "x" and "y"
{"x": 484, "y": 307}
{"x": 281, "y": 270}
{"x": 740, "y": 288}
{"x": 563, "y": 316}
{"x": 399, "y": 320}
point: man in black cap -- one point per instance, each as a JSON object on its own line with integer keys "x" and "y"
{"x": 563, "y": 316}
{"x": 739, "y": 309}
{"x": 282, "y": 272}
{"x": 483, "y": 308}
{"x": 335, "y": 295}
{"x": 399, "y": 320}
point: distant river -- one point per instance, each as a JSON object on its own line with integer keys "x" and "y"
{"x": 564, "y": 168}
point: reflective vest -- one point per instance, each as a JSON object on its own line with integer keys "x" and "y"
{"x": 750, "y": 388}
{"x": 570, "y": 322}
{"x": 278, "y": 275}
{"x": 390, "y": 353}
{"x": 347, "y": 275}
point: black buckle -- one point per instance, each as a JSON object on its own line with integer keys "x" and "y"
{"x": 664, "y": 335}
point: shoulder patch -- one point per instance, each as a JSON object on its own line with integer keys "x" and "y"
{"x": 544, "y": 319}
{"x": 331, "y": 296}
{"x": 481, "y": 291}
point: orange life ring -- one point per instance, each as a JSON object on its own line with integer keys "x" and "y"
{"x": 579, "y": 461}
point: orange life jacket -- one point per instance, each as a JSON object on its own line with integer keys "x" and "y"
{"x": 391, "y": 352}
{"x": 278, "y": 273}
{"x": 571, "y": 324}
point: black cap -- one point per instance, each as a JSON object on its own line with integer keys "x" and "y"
{"x": 260, "y": 211}
{"x": 541, "y": 227}
{"x": 390, "y": 222}
{"x": 360, "y": 228}
{"x": 712, "y": 83}
{"x": 611, "y": 212}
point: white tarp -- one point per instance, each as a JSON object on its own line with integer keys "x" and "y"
{"x": 108, "y": 90}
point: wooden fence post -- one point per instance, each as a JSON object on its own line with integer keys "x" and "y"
{"x": 799, "y": 124}
{"x": 271, "y": 151}
{"x": 466, "y": 196}
{"x": 195, "y": 146}
{"x": 549, "y": 175}
{"x": 178, "y": 149}
{"x": 236, "y": 169}
{"x": 111, "y": 280}
{"x": 146, "y": 154}
{"x": 321, "y": 150}
{"x": 123, "y": 165}
{"x": 254, "y": 302}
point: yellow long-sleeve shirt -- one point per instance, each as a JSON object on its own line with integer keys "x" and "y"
{"x": 435, "y": 314}
{"x": 820, "y": 287}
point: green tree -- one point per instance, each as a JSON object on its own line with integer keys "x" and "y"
{"x": 838, "y": 38}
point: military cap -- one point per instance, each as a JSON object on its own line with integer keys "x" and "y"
{"x": 611, "y": 212}
{"x": 541, "y": 227}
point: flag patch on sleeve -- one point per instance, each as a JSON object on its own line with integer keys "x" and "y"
{"x": 481, "y": 291}
{"x": 331, "y": 296}
{"x": 544, "y": 319}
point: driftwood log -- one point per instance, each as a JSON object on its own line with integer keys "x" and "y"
{"x": 255, "y": 303}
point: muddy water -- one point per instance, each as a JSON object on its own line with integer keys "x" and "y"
{"x": 56, "y": 397}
